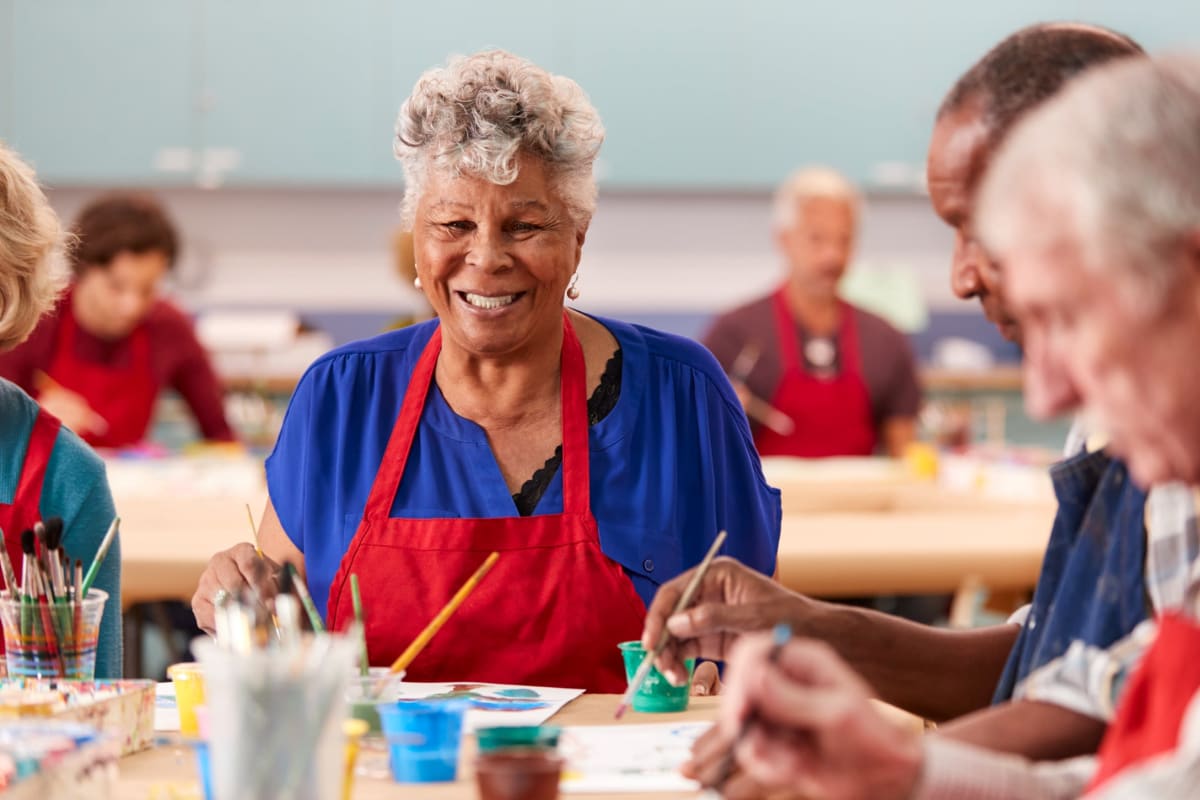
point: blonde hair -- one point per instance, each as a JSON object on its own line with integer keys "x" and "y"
{"x": 29, "y": 234}
{"x": 809, "y": 183}
{"x": 479, "y": 113}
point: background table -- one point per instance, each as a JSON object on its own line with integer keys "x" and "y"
{"x": 848, "y": 528}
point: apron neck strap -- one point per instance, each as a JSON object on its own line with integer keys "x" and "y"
{"x": 575, "y": 460}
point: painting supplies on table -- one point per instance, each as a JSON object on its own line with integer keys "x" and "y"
{"x": 684, "y": 601}
{"x": 122, "y": 709}
{"x": 51, "y": 620}
{"x": 447, "y": 611}
{"x": 275, "y": 706}
{"x": 780, "y": 636}
{"x": 52, "y": 759}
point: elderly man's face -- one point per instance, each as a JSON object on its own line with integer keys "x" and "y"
{"x": 958, "y": 154}
{"x": 819, "y": 244}
{"x": 1134, "y": 366}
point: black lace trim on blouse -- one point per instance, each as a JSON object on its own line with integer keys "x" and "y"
{"x": 599, "y": 406}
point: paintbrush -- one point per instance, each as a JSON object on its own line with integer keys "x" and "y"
{"x": 310, "y": 609}
{"x": 28, "y": 559}
{"x": 757, "y": 408}
{"x": 41, "y": 583}
{"x": 364, "y": 665}
{"x": 254, "y": 531}
{"x": 436, "y": 624}
{"x": 259, "y": 552}
{"x": 94, "y": 567}
{"x": 780, "y": 636}
{"x": 10, "y": 576}
{"x": 287, "y": 608}
{"x": 52, "y": 541}
{"x": 685, "y": 600}
{"x": 77, "y": 621}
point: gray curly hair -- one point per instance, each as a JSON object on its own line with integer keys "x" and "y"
{"x": 29, "y": 234}
{"x": 479, "y": 113}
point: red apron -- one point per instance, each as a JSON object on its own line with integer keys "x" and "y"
{"x": 1152, "y": 707}
{"x": 23, "y": 513}
{"x": 123, "y": 396}
{"x": 832, "y": 416}
{"x": 550, "y": 612}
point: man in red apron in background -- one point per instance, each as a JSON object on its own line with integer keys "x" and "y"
{"x": 99, "y": 360}
{"x": 818, "y": 377}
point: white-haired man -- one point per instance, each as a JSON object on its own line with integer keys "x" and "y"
{"x": 818, "y": 376}
{"x": 1093, "y": 208}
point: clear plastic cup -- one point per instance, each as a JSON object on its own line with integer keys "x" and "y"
{"x": 52, "y": 640}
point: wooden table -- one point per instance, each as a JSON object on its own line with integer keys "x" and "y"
{"x": 839, "y": 537}
{"x": 165, "y": 766}
{"x": 855, "y": 554}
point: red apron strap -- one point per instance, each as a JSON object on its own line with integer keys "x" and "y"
{"x": 395, "y": 456}
{"x": 785, "y": 324}
{"x": 573, "y": 381}
{"x": 575, "y": 466}
{"x": 37, "y": 458}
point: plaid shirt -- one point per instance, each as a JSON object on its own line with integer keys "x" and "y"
{"x": 1089, "y": 679}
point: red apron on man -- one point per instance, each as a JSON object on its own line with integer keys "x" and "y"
{"x": 550, "y": 612}
{"x": 1152, "y": 707}
{"x": 831, "y": 416}
{"x": 123, "y": 396}
{"x": 23, "y": 512}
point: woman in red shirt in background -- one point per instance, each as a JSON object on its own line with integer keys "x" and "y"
{"x": 111, "y": 344}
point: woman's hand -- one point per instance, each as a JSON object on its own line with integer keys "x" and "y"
{"x": 733, "y": 599}
{"x": 232, "y": 571}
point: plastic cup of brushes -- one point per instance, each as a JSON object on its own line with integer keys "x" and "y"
{"x": 52, "y": 639}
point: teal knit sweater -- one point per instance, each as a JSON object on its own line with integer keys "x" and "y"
{"x": 75, "y": 489}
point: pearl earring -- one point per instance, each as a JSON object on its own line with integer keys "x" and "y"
{"x": 417, "y": 283}
{"x": 572, "y": 290}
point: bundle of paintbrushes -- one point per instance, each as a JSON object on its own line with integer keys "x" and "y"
{"x": 275, "y": 698}
{"x": 51, "y": 615}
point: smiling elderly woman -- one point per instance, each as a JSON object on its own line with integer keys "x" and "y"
{"x": 599, "y": 458}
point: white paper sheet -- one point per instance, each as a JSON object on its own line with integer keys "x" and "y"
{"x": 494, "y": 704}
{"x": 628, "y": 758}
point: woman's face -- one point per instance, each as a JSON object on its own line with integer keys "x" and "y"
{"x": 494, "y": 260}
